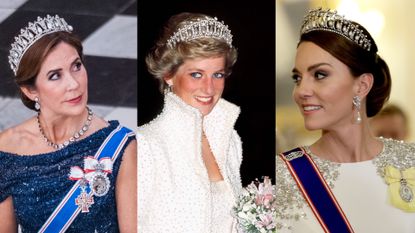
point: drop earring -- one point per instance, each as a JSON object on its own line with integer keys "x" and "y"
{"x": 357, "y": 104}
{"x": 37, "y": 104}
{"x": 168, "y": 89}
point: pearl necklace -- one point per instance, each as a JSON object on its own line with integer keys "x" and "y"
{"x": 72, "y": 139}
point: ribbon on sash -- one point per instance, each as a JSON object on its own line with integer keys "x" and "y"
{"x": 67, "y": 210}
{"x": 316, "y": 191}
{"x": 401, "y": 187}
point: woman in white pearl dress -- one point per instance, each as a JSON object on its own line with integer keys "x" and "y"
{"x": 341, "y": 81}
{"x": 189, "y": 156}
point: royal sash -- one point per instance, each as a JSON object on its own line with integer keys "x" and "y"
{"x": 316, "y": 191}
{"x": 67, "y": 210}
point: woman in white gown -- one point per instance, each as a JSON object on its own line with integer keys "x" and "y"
{"x": 189, "y": 157}
{"x": 348, "y": 180}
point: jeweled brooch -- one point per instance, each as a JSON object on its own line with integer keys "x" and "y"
{"x": 95, "y": 176}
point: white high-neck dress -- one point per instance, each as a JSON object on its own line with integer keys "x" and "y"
{"x": 175, "y": 194}
{"x": 359, "y": 188}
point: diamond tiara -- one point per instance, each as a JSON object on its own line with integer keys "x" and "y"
{"x": 327, "y": 20}
{"x": 202, "y": 28}
{"x": 33, "y": 32}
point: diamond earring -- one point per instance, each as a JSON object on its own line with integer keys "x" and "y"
{"x": 168, "y": 89}
{"x": 37, "y": 104}
{"x": 356, "y": 104}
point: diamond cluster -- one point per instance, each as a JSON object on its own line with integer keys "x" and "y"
{"x": 326, "y": 20}
{"x": 202, "y": 28}
{"x": 33, "y": 32}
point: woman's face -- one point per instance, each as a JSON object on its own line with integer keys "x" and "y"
{"x": 62, "y": 82}
{"x": 200, "y": 82}
{"x": 324, "y": 88}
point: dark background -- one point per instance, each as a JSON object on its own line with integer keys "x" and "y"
{"x": 251, "y": 85}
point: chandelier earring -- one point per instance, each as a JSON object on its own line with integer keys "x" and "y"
{"x": 357, "y": 104}
{"x": 37, "y": 104}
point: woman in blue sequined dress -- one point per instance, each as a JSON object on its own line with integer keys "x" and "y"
{"x": 64, "y": 170}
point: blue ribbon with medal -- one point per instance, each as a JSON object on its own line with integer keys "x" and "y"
{"x": 90, "y": 181}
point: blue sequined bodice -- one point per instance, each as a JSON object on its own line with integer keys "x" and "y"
{"x": 37, "y": 184}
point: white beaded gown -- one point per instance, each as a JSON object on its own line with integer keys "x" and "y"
{"x": 359, "y": 188}
{"x": 175, "y": 194}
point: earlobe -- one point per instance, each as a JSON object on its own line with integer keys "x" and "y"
{"x": 169, "y": 81}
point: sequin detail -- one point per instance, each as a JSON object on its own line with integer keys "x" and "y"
{"x": 399, "y": 154}
{"x": 290, "y": 199}
{"x": 222, "y": 203}
{"x": 37, "y": 184}
{"x": 289, "y": 196}
{"x": 173, "y": 183}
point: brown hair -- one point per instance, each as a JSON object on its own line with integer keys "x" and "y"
{"x": 163, "y": 62}
{"x": 34, "y": 57}
{"x": 359, "y": 62}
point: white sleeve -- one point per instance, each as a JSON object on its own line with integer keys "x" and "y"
{"x": 146, "y": 179}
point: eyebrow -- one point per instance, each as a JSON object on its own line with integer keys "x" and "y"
{"x": 59, "y": 69}
{"x": 202, "y": 70}
{"x": 312, "y": 67}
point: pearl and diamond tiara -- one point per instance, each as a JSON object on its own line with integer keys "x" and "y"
{"x": 327, "y": 20}
{"x": 201, "y": 28}
{"x": 33, "y": 32}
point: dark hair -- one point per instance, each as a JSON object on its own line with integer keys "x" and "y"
{"x": 163, "y": 61}
{"x": 359, "y": 62}
{"x": 33, "y": 58}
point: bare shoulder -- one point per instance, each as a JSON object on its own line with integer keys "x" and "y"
{"x": 18, "y": 136}
{"x": 131, "y": 149}
{"x": 98, "y": 123}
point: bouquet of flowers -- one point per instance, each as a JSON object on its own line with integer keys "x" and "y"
{"x": 255, "y": 208}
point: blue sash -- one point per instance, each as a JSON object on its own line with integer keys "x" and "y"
{"x": 67, "y": 210}
{"x": 316, "y": 191}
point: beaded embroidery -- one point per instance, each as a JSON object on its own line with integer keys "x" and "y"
{"x": 288, "y": 194}
{"x": 395, "y": 153}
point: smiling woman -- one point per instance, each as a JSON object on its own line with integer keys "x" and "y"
{"x": 200, "y": 82}
{"x": 65, "y": 158}
{"x": 189, "y": 156}
{"x": 348, "y": 180}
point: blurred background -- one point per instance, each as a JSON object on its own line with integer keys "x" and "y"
{"x": 391, "y": 25}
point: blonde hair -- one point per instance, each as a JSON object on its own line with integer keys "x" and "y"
{"x": 163, "y": 61}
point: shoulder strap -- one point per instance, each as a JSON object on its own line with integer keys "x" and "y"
{"x": 67, "y": 210}
{"x": 316, "y": 191}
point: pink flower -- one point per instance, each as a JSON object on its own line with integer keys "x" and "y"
{"x": 265, "y": 193}
{"x": 255, "y": 209}
{"x": 266, "y": 220}
{"x": 264, "y": 200}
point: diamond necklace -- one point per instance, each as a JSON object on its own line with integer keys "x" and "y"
{"x": 72, "y": 139}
